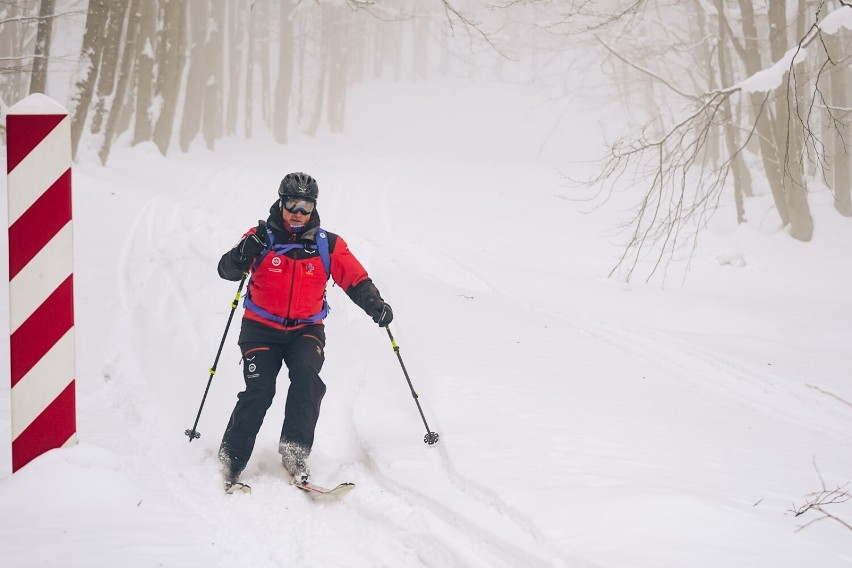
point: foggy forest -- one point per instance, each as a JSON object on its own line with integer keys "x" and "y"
{"x": 177, "y": 72}
{"x": 614, "y": 234}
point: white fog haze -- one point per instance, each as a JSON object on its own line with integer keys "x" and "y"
{"x": 615, "y": 236}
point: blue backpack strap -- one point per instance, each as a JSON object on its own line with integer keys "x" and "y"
{"x": 248, "y": 304}
{"x": 322, "y": 246}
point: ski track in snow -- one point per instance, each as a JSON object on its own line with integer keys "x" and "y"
{"x": 705, "y": 367}
{"x": 445, "y": 505}
{"x": 426, "y": 528}
{"x": 471, "y": 509}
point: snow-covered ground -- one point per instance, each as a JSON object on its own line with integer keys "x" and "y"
{"x": 584, "y": 422}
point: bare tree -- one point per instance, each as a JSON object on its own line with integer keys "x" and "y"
{"x": 213, "y": 94}
{"x": 128, "y": 57}
{"x": 15, "y": 35}
{"x": 87, "y": 69}
{"x": 262, "y": 32}
{"x": 284, "y": 84}
{"x": 681, "y": 191}
{"x": 839, "y": 109}
{"x": 820, "y": 501}
{"x": 249, "y": 64}
{"x": 197, "y": 76}
{"x": 236, "y": 31}
{"x": 317, "y": 42}
{"x": 38, "y": 80}
{"x": 113, "y": 46}
{"x": 788, "y": 137}
{"x": 741, "y": 177}
{"x": 145, "y": 57}
{"x": 170, "y": 61}
{"x": 334, "y": 32}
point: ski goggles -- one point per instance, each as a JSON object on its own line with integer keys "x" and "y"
{"x": 298, "y": 205}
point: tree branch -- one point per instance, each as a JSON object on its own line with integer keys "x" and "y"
{"x": 821, "y": 499}
{"x": 644, "y": 70}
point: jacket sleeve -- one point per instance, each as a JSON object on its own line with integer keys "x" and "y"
{"x": 367, "y": 297}
{"x": 351, "y": 276}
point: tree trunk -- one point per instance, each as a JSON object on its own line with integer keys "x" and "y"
{"x": 38, "y": 81}
{"x": 380, "y": 40}
{"x": 144, "y": 123}
{"x": 765, "y": 134}
{"x": 356, "y": 51}
{"x": 87, "y": 70}
{"x": 321, "y": 66}
{"x": 262, "y": 50}
{"x": 109, "y": 62}
{"x": 118, "y": 104}
{"x": 170, "y": 59}
{"x": 712, "y": 146}
{"x": 13, "y": 39}
{"x": 334, "y": 31}
{"x": 301, "y": 82}
{"x": 281, "y": 110}
{"x": 788, "y": 131}
{"x": 795, "y": 189}
{"x": 249, "y": 66}
{"x": 742, "y": 179}
{"x": 235, "y": 34}
{"x": 839, "y": 103}
{"x": 212, "y": 121}
{"x": 197, "y": 77}
{"x": 420, "y": 45}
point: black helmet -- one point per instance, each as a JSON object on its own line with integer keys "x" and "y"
{"x": 298, "y": 184}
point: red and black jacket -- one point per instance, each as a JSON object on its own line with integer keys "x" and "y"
{"x": 292, "y": 285}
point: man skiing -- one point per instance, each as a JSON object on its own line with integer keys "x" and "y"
{"x": 289, "y": 258}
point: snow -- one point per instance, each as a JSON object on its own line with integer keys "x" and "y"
{"x": 37, "y": 103}
{"x": 838, "y": 18}
{"x": 584, "y": 422}
{"x": 769, "y": 79}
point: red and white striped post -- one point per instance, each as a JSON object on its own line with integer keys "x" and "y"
{"x": 41, "y": 289}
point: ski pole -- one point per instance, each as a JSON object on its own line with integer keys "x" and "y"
{"x": 192, "y": 432}
{"x": 430, "y": 437}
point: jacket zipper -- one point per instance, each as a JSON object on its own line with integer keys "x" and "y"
{"x": 290, "y": 300}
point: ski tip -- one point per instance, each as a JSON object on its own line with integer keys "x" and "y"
{"x": 316, "y": 490}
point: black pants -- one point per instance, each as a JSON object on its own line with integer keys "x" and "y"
{"x": 302, "y": 350}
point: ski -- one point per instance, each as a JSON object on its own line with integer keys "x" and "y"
{"x": 306, "y": 486}
{"x": 237, "y": 487}
{"x": 339, "y": 491}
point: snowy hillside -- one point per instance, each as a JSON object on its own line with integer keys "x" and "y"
{"x": 584, "y": 422}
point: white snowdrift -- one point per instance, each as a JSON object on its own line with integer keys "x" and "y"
{"x": 583, "y": 422}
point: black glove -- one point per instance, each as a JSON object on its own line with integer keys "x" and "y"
{"x": 383, "y": 314}
{"x": 250, "y": 247}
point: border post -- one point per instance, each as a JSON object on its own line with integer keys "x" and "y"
{"x": 41, "y": 283}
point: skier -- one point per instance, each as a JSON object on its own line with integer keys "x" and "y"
{"x": 289, "y": 258}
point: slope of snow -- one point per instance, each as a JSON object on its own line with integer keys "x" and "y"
{"x": 584, "y": 422}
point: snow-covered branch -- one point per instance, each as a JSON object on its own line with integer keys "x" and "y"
{"x": 682, "y": 171}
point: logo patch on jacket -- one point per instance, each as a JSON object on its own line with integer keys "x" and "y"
{"x": 309, "y": 269}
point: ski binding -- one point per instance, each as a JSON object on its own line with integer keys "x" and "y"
{"x": 237, "y": 487}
